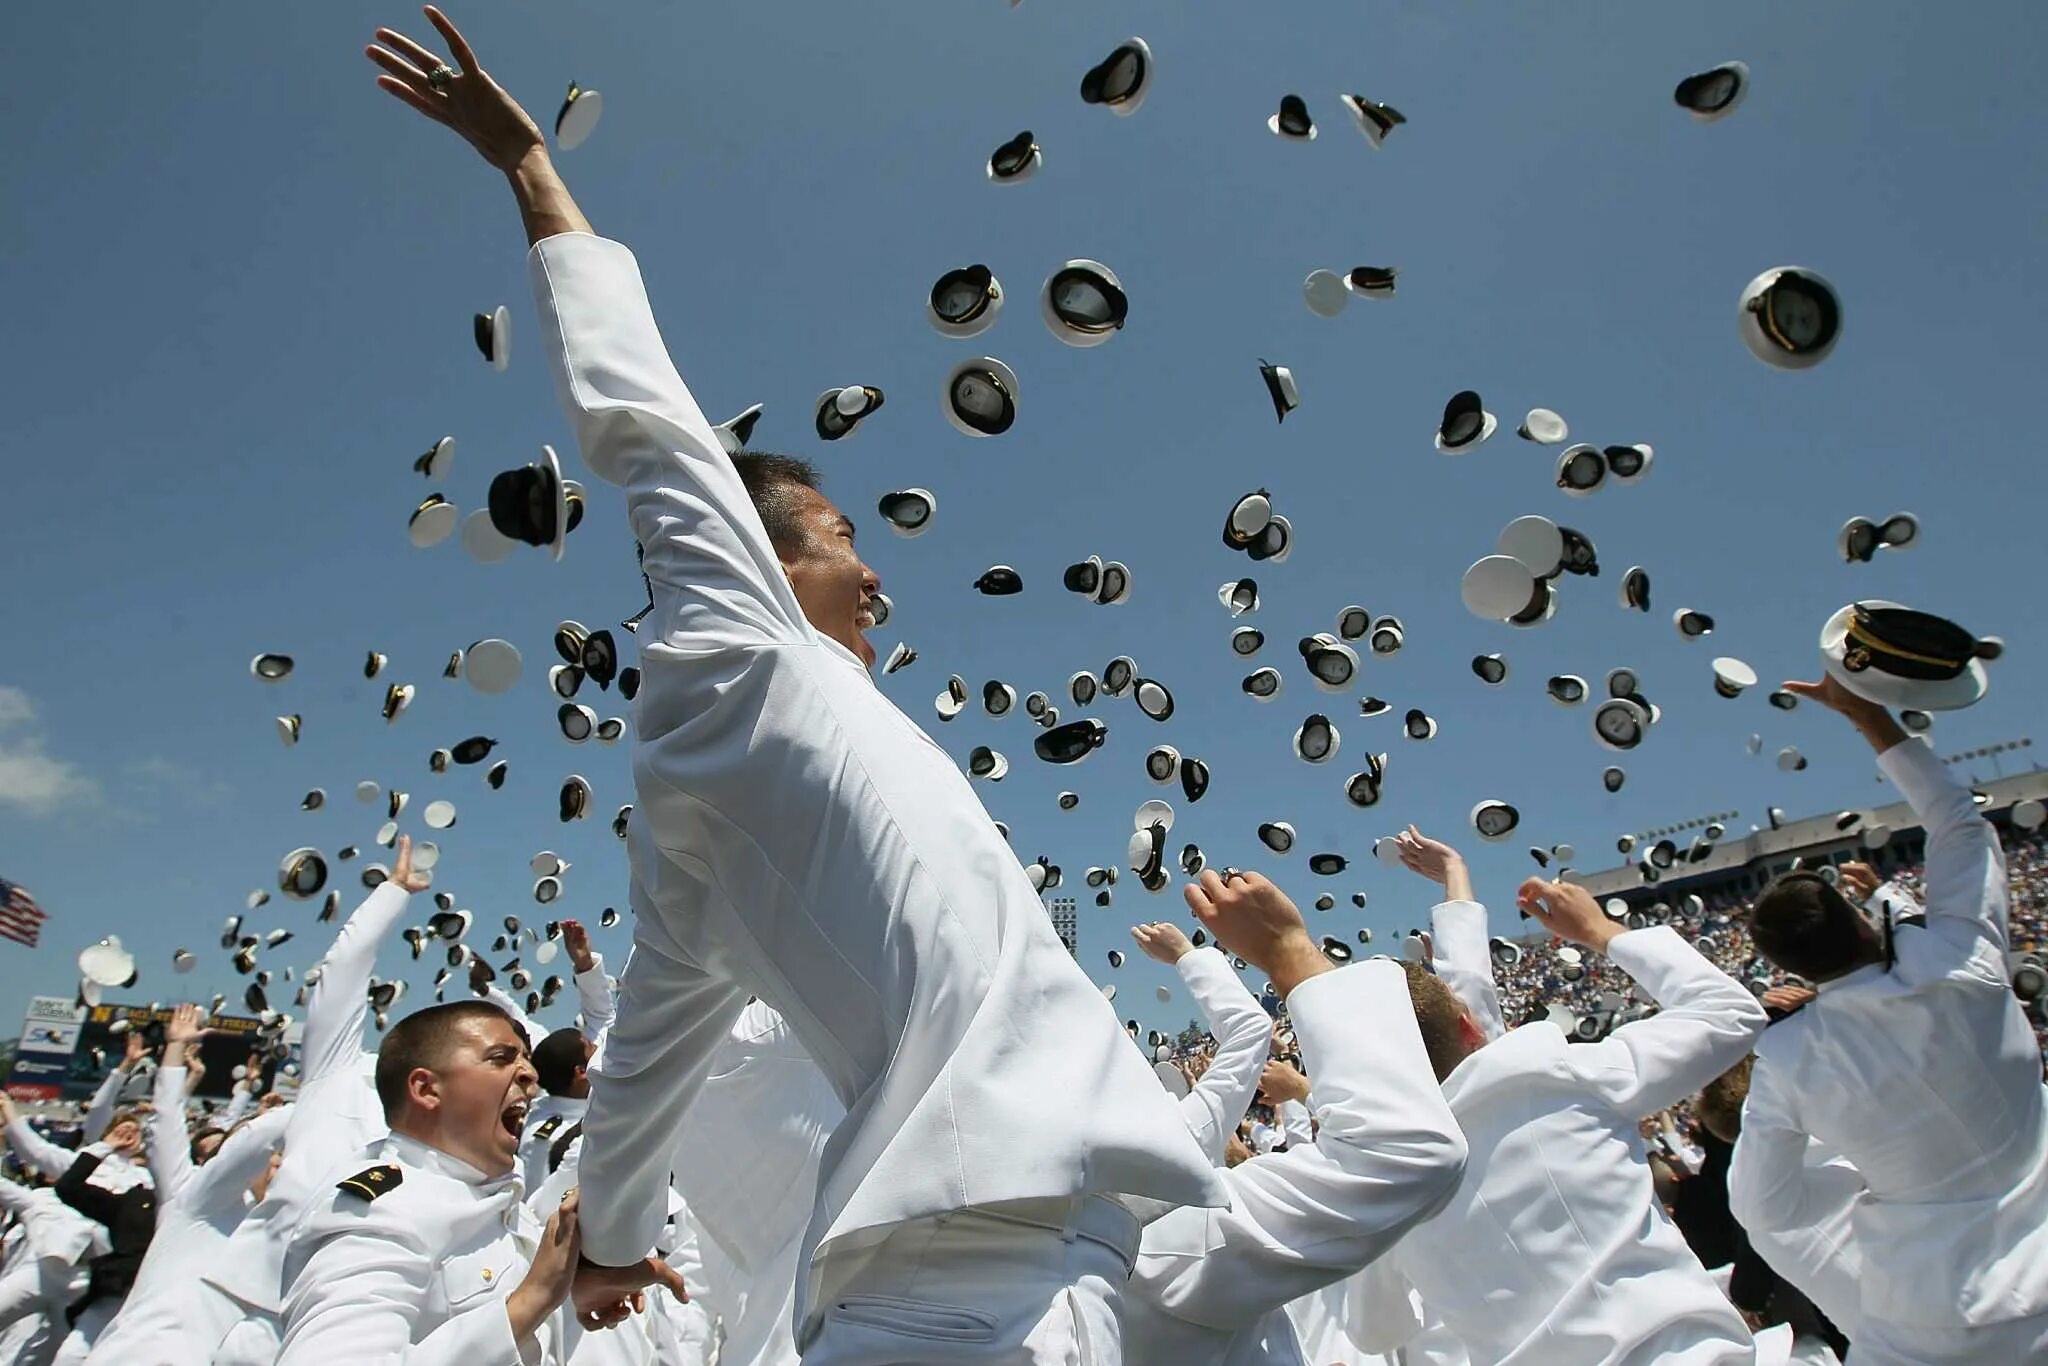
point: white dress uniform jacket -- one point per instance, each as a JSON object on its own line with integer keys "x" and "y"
{"x": 1926, "y": 1077}
{"x": 418, "y": 1275}
{"x": 165, "y": 1321}
{"x": 116, "y": 1172}
{"x": 1554, "y": 1249}
{"x": 336, "y": 1114}
{"x": 798, "y": 837}
{"x": 1209, "y": 1284}
{"x": 1214, "y": 1104}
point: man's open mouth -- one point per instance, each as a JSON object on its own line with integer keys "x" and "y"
{"x": 514, "y": 1118}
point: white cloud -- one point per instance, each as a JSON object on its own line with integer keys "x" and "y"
{"x": 166, "y": 778}
{"x": 30, "y": 779}
{"x": 15, "y": 708}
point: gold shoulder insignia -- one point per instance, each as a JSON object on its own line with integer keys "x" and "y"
{"x": 547, "y": 1128}
{"x": 376, "y": 1181}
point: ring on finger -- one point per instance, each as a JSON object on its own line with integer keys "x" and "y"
{"x": 440, "y": 76}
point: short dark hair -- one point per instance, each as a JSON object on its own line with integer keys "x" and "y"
{"x": 772, "y": 481}
{"x": 556, "y": 1059}
{"x": 1804, "y": 926}
{"x": 424, "y": 1039}
{"x": 1437, "y": 1012}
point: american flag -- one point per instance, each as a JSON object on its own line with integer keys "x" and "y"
{"x": 20, "y": 918}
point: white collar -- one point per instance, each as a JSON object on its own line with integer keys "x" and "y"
{"x": 427, "y": 1156}
{"x": 849, "y": 656}
{"x": 1868, "y": 970}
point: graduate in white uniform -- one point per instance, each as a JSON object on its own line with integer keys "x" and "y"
{"x": 199, "y": 1204}
{"x": 747, "y": 1158}
{"x": 1210, "y": 1284}
{"x": 420, "y": 1247}
{"x": 337, "y": 1112}
{"x": 45, "y": 1272}
{"x": 1554, "y": 1249}
{"x": 562, "y": 1059}
{"x": 799, "y": 838}
{"x": 1917, "y": 1065}
{"x": 1218, "y": 1099}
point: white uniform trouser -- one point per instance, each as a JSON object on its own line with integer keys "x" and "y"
{"x": 87, "y": 1330}
{"x": 1032, "y": 1283}
{"x": 1896, "y": 1344}
{"x": 38, "y": 1287}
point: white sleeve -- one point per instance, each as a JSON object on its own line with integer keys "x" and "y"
{"x": 339, "y": 1002}
{"x": 1387, "y": 1155}
{"x": 594, "y": 991}
{"x": 1296, "y": 1122}
{"x": 38, "y": 1152}
{"x": 1967, "y": 887}
{"x": 170, "y": 1147}
{"x": 528, "y": 1026}
{"x": 639, "y": 427}
{"x": 1706, "y": 1021}
{"x": 218, "y": 1187}
{"x": 1464, "y": 960}
{"x": 100, "y": 1113}
{"x": 1215, "y": 1104}
{"x": 241, "y": 1100}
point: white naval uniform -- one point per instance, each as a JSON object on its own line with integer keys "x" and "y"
{"x": 45, "y": 1271}
{"x": 1209, "y": 1284}
{"x": 552, "y": 1114}
{"x": 165, "y": 1320}
{"x": 747, "y": 1158}
{"x": 1926, "y": 1078}
{"x": 116, "y": 1172}
{"x": 418, "y": 1275}
{"x": 1554, "y": 1249}
{"x": 798, "y": 837}
{"x": 1216, "y": 1102}
{"x": 336, "y": 1114}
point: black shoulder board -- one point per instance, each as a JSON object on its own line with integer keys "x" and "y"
{"x": 374, "y": 1182}
{"x": 547, "y": 1127}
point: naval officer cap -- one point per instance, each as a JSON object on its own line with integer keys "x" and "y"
{"x": 1374, "y": 120}
{"x": 431, "y": 522}
{"x": 1194, "y": 779}
{"x": 1292, "y": 122}
{"x": 397, "y": 698}
{"x": 1581, "y": 470}
{"x": 1016, "y": 160}
{"x": 1120, "y": 80}
{"x": 1083, "y": 303}
{"x": 1620, "y": 723}
{"x": 1246, "y": 641}
{"x": 1070, "y": 743}
{"x": 1635, "y": 589}
{"x": 908, "y": 511}
{"x": 841, "y": 410}
{"x": 1316, "y": 740}
{"x": 1353, "y": 622}
{"x": 1119, "y": 675}
{"x": 999, "y": 581}
{"x": 1501, "y": 588}
{"x": 1628, "y": 464}
{"x": 1543, "y": 427}
{"x": 531, "y": 504}
{"x": 1731, "y": 676}
{"x": 1363, "y": 789}
{"x": 1154, "y": 699}
{"x": 1897, "y": 657}
{"x": 1419, "y": 724}
{"x": 997, "y": 697}
{"x": 1713, "y": 93}
{"x": 482, "y": 539}
{"x": 1860, "y": 538}
{"x": 574, "y": 798}
{"x": 1465, "y": 424}
{"x": 1239, "y": 596}
{"x": 1691, "y": 625}
{"x": 1790, "y": 318}
{"x": 288, "y": 728}
{"x": 1327, "y": 865}
{"x": 1280, "y": 388}
{"x": 953, "y": 700}
{"x": 1491, "y": 670}
{"x": 1262, "y": 684}
{"x": 1374, "y": 282}
{"x": 900, "y": 656}
{"x": 438, "y": 460}
{"x": 577, "y": 722}
{"x": 1081, "y": 686}
{"x": 980, "y": 397}
{"x": 577, "y": 118}
{"x": 301, "y": 874}
{"x": 492, "y": 333}
{"x": 1248, "y": 518}
{"x": 1331, "y": 663}
{"x": 1162, "y": 763}
{"x": 1612, "y": 779}
{"x": 965, "y": 301}
{"x": 270, "y": 668}
{"x": 1325, "y": 293}
{"x": 734, "y": 432}
{"x": 1277, "y": 836}
{"x": 1495, "y": 820}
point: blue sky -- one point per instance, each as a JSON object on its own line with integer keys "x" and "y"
{"x": 240, "y": 283}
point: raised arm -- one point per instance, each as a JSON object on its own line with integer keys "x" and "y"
{"x": 593, "y": 988}
{"x": 339, "y": 1002}
{"x": 1387, "y": 1153}
{"x": 1213, "y": 1106}
{"x": 100, "y": 1112}
{"x": 1464, "y": 958}
{"x": 218, "y": 1187}
{"x": 1706, "y": 1020}
{"x": 35, "y": 1151}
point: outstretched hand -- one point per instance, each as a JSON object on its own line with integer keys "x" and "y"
{"x": 1436, "y": 861}
{"x": 1162, "y": 940}
{"x": 1568, "y": 911}
{"x": 457, "y": 93}
{"x": 604, "y": 1295}
{"x": 1261, "y": 924}
{"x": 402, "y": 871}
